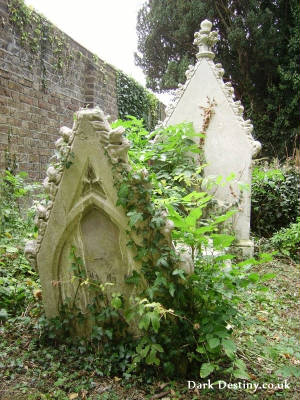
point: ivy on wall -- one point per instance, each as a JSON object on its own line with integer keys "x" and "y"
{"x": 38, "y": 36}
{"x": 135, "y": 100}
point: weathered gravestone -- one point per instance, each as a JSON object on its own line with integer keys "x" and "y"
{"x": 82, "y": 214}
{"x": 208, "y": 102}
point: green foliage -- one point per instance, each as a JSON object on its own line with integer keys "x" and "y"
{"x": 268, "y": 341}
{"x": 184, "y": 321}
{"x": 133, "y": 99}
{"x": 172, "y": 172}
{"x": 35, "y": 369}
{"x": 275, "y": 199}
{"x": 102, "y": 311}
{"x": 188, "y": 323}
{"x": 287, "y": 240}
{"x": 258, "y": 47}
{"x": 17, "y": 279}
{"x": 13, "y": 191}
{"x": 185, "y": 317}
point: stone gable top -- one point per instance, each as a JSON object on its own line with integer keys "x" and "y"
{"x": 90, "y": 126}
{"x": 205, "y": 39}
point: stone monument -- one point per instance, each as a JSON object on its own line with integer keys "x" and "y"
{"x": 81, "y": 215}
{"x": 208, "y": 102}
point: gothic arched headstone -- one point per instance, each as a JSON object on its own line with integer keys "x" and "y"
{"x": 81, "y": 215}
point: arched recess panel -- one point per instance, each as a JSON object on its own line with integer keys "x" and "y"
{"x": 96, "y": 240}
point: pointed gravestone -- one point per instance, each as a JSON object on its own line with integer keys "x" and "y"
{"x": 81, "y": 213}
{"x": 208, "y": 102}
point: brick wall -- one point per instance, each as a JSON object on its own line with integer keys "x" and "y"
{"x": 37, "y": 97}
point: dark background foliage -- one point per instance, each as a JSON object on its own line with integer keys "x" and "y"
{"x": 258, "y": 47}
{"x": 275, "y": 200}
{"x": 135, "y": 100}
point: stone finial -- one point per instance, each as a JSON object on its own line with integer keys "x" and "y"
{"x": 205, "y": 39}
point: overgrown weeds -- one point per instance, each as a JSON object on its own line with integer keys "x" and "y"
{"x": 217, "y": 320}
{"x": 17, "y": 279}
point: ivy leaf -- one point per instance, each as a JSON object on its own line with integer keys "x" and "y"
{"x": 135, "y": 217}
{"x": 162, "y": 262}
{"x": 144, "y": 322}
{"x": 135, "y": 278}
{"x": 152, "y": 359}
{"x": 179, "y": 272}
{"x": 201, "y": 349}
{"x": 172, "y": 289}
{"x": 155, "y": 321}
{"x": 108, "y": 333}
{"x": 206, "y": 369}
{"x": 160, "y": 280}
{"x": 123, "y": 195}
{"x": 129, "y": 315}
{"x": 158, "y": 347}
{"x": 145, "y": 351}
{"x": 213, "y": 342}
{"x": 116, "y": 302}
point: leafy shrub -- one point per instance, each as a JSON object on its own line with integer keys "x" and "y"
{"x": 186, "y": 319}
{"x": 135, "y": 100}
{"x": 287, "y": 240}
{"x": 17, "y": 279}
{"x": 275, "y": 199}
{"x": 173, "y": 172}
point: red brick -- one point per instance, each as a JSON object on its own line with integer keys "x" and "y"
{"x": 45, "y": 106}
{"x": 15, "y": 86}
{"x": 4, "y": 128}
{"x": 26, "y": 82}
{"x": 5, "y": 74}
{"x": 3, "y": 118}
{"x": 16, "y": 123}
{"x": 5, "y": 92}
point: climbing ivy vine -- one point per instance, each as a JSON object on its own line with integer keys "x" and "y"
{"x": 37, "y": 35}
{"x": 185, "y": 318}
